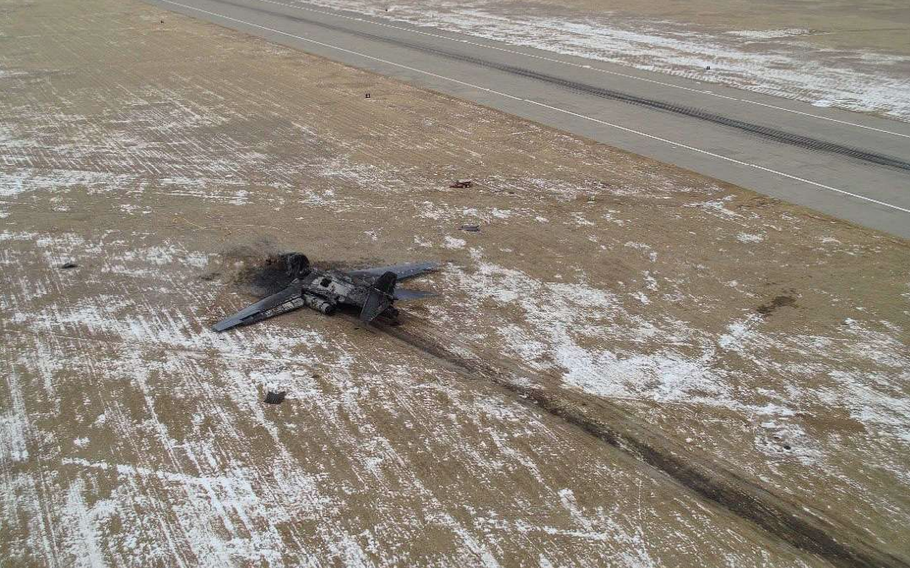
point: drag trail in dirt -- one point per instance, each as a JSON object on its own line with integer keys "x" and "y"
{"x": 717, "y": 482}
{"x": 809, "y": 530}
{"x": 687, "y": 322}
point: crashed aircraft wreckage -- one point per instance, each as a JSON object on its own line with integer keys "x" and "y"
{"x": 372, "y": 290}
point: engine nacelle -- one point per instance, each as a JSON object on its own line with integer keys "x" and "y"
{"x": 295, "y": 264}
{"x": 319, "y": 304}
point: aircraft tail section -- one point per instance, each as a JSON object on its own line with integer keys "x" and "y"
{"x": 380, "y": 298}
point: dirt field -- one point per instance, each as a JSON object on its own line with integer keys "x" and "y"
{"x": 761, "y": 345}
{"x": 841, "y": 53}
{"x": 883, "y": 25}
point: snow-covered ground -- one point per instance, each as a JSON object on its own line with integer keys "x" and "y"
{"x": 132, "y": 435}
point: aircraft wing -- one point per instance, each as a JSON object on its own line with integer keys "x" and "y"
{"x": 405, "y": 295}
{"x": 284, "y": 301}
{"x": 401, "y": 271}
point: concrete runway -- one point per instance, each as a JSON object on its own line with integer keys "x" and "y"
{"x": 847, "y": 165}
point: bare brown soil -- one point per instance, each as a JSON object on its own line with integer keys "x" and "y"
{"x": 882, "y": 26}
{"x": 738, "y": 336}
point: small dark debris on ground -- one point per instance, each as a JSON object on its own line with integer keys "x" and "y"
{"x": 778, "y": 302}
{"x": 275, "y": 397}
{"x": 367, "y": 96}
{"x": 462, "y": 183}
{"x": 470, "y": 228}
{"x": 68, "y": 265}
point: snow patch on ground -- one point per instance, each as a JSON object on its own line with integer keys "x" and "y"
{"x": 770, "y": 34}
{"x": 786, "y": 67}
{"x": 749, "y": 238}
{"x": 453, "y": 243}
{"x": 605, "y": 347}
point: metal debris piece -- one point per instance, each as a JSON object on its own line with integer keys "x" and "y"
{"x": 370, "y": 290}
{"x": 68, "y": 265}
{"x": 275, "y": 397}
{"x": 462, "y": 183}
{"x": 470, "y": 228}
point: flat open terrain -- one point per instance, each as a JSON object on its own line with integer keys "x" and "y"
{"x": 614, "y": 318}
{"x": 832, "y": 53}
{"x": 883, "y": 25}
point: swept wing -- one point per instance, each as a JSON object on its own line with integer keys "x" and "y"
{"x": 401, "y": 271}
{"x": 284, "y": 301}
{"x": 404, "y": 295}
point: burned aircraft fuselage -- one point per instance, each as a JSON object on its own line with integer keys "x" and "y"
{"x": 324, "y": 291}
{"x": 372, "y": 291}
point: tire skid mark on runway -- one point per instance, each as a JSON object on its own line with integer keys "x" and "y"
{"x": 769, "y": 133}
{"x": 557, "y": 109}
{"x": 582, "y": 66}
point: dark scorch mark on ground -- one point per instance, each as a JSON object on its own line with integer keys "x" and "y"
{"x": 769, "y": 308}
